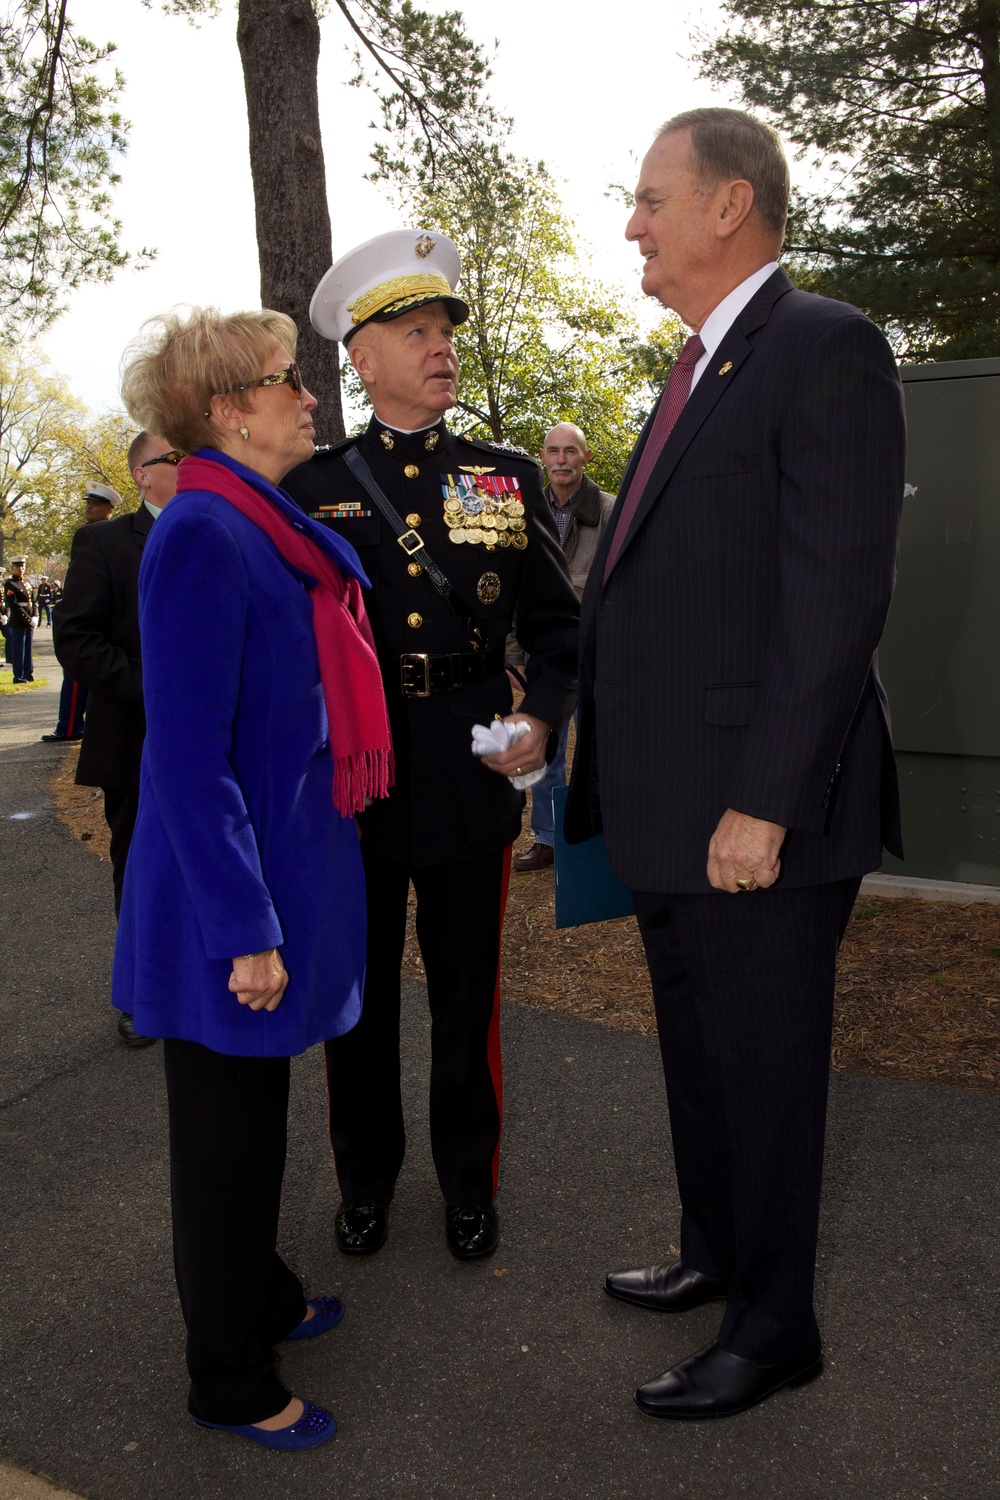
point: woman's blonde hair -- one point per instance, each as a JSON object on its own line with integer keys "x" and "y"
{"x": 178, "y": 363}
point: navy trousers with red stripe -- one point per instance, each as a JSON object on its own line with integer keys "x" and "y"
{"x": 459, "y": 924}
{"x": 72, "y": 707}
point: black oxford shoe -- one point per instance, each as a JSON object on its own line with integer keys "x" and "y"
{"x": 361, "y": 1228}
{"x": 471, "y": 1232}
{"x": 715, "y": 1383}
{"x": 128, "y": 1033}
{"x": 671, "y": 1288}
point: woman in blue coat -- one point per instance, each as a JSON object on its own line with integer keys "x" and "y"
{"x": 242, "y": 932}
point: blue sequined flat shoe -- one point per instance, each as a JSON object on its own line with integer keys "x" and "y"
{"x": 315, "y": 1426}
{"x": 327, "y": 1313}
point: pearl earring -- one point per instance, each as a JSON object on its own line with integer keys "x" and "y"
{"x": 244, "y": 434}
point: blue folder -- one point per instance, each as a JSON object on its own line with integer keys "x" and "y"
{"x": 587, "y": 889}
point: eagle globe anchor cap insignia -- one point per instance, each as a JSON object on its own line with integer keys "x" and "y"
{"x": 384, "y": 278}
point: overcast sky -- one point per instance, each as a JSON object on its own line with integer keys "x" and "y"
{"x": 587, "y": 85}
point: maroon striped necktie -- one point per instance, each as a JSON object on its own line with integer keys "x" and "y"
{"x": 675, "y": 393}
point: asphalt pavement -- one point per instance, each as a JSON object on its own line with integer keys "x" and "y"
{"x": 509, "y": 1378}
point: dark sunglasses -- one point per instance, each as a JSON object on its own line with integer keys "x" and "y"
{"x": 173, "y": 457}
{"x": 290, "y": 375}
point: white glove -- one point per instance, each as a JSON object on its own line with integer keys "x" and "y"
{"x": 499, "y": 737}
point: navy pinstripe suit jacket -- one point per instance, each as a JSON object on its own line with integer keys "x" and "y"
{"x": 730, "y": 659}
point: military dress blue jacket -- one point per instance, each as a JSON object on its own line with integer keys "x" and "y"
{"x": 237, "y": 845}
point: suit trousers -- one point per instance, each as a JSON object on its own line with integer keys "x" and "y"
{"x": 743, "y": 987}
{"x": 121, "y": 806}
{"x": 228, "y": 1126}
{"x": 459, "y": 922}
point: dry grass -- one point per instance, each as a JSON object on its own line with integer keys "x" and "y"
{"x": 918, "y": 984}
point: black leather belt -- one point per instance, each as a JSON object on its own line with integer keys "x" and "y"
{"x": 421, "y": 674}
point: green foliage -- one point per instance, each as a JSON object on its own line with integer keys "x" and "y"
{"x": 435, "y": 109}
{"x": 544, "y": 342}
{"x": 39, "y": 425}
{"x": 901, "y": 101}
{"x": 50, "y": 452}
{"x": 94, "y": 448}
{"x": 99, "y": 448}
{"x": 59, "y": 136}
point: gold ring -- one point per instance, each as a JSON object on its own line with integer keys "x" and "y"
{"x": 749, "y": 884}
{"x": 519, "y": 772}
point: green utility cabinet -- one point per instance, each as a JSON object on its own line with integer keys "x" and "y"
{"x": 939, "y": 654}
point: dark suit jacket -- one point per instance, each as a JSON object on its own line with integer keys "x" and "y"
{"x": 729, "y": 660}
{"x": 96, "y": 633}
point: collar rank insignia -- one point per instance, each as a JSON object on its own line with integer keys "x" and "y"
{"x": 726, "y": 367}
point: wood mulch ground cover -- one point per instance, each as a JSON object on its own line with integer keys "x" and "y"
{"x": 918, "y": 983}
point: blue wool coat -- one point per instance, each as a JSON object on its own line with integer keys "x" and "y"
{"x": 237, "y": 845}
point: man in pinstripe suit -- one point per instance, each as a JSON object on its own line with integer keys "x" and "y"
{"x": 733, "y": 739}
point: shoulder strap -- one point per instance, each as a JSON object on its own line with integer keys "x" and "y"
{"x": 413, "y": 545}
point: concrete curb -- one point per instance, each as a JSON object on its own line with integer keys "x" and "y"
{"x": 18, "y": 1484}
{"x": 897, "y": 886}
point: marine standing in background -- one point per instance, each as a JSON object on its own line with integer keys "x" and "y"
{"x": 43, "y": 600}
{"x": 474, "y": 513}
{"x": 17, "y": 598}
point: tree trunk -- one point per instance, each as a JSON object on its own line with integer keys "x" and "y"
{"x": 279, "y": 46}
{"x": 987, "y": 34}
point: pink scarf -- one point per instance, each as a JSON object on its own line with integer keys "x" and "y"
{"x": 360, "y": 739}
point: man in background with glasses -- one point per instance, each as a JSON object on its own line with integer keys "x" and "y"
{"x": 96, "y": 637}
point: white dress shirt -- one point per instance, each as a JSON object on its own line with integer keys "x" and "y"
{"x": 722, "y": 318}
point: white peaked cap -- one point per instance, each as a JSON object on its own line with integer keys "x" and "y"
{"x": 386, "y": 277}
{"x": 103, "y": 492}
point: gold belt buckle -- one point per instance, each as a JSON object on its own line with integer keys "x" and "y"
{"x": 410, "y": 541}
{"x": 410, "y": 659}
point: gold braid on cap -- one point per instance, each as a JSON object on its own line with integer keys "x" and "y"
{"x": 399, "y": 292}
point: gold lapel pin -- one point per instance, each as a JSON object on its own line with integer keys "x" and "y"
{"x": 726, "y": 367}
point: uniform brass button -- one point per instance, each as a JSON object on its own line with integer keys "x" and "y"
{"x": 413, "y": 519}
{"x": 414, "y": 569}
{"x": 411, "y": 471}
{"x": 414, "y": 621}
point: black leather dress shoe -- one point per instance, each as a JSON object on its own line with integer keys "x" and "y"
{"x": 362, "y": 1228}
{"x": 471, "y": 1232}
{"x": 128, "y": 1033}
{"x": 672, "y": 1288}
{"x": 715, "y": 1383}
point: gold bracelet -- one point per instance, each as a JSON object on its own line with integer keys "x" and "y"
{"x": 239, "y": 957}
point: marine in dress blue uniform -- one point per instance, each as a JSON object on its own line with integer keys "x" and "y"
{"x": 450, "y": 820}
